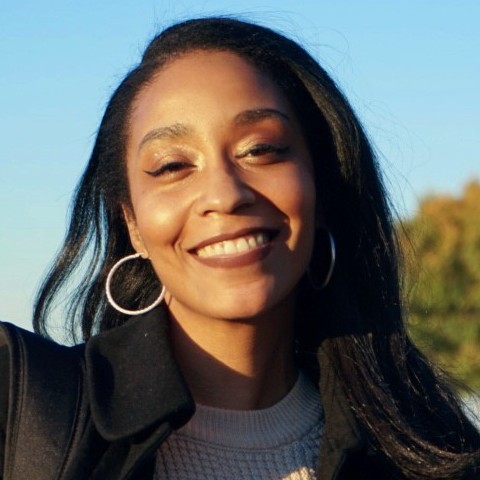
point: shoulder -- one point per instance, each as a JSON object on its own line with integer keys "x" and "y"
{"x": 27, "y": 400}
{"x": 27, "y": 359}
{"x": 26, "y": 355}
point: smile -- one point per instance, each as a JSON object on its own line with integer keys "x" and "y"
{"x": 234, "y": 246}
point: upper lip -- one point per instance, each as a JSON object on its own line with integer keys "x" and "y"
{"x": 271, "y": 232}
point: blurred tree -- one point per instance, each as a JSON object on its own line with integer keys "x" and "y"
{"x": 441, "y": 245}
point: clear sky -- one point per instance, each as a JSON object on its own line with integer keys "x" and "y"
{"x": 410, "y": 68}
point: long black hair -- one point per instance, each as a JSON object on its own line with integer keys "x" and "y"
{"x": 401, "y": 401}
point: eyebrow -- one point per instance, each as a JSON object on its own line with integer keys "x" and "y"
{"x": 178, "y": 130}
{"x": 258, "y": 114}
{"x": 175, "y": 130}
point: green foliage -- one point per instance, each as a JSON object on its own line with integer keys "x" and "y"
{"x": 441, "y": 245}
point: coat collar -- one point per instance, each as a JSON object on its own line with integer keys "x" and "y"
{"x": 133, "y": 381}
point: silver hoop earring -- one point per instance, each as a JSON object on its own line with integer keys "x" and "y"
{"x": 329, "y": 274}
{"x": 114, "y": 304}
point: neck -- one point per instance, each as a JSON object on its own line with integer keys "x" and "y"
{"x": 238, "y": 365}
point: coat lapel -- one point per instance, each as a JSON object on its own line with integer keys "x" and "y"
{"x": 137, "y": 393}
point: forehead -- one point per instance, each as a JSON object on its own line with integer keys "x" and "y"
{"x": 200, "y": 79}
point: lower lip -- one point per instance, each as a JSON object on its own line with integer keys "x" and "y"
{"x": 237, "y": 260}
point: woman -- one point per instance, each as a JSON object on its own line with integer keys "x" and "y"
{"x": 233, "y": 201}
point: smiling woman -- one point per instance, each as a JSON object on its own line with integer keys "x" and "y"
{"x": 230, "y": 175}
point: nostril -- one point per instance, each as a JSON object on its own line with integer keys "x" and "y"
{"x": 225, "y": 194}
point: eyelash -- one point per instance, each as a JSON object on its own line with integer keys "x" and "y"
{"x": 263, "y": 149}
{"x": 167, "y": 168}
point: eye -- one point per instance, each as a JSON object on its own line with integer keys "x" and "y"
{"x": 169, "y": 168}
{"x": 261, "y": 149}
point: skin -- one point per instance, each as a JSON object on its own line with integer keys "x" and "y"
{"x": 216, "y": 154}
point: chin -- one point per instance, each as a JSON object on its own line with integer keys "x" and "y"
{"x": 248, "y": 309}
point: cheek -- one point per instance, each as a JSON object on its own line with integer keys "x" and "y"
{"x": 302, "y": 202}
{"x": 298, "y": 199}
{"x": 306, "y": 192}
{"x": 159, "y": 223}
{"x": 306, "y": 218}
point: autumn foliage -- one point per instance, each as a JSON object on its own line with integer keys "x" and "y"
{"x": 441, "y": 245}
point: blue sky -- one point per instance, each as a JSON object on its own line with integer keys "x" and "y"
{"x": 410, "y": 68}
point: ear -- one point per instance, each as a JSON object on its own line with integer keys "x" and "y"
{"x": 135, "y": 237}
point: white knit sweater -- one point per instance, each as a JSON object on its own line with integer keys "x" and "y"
{"x": 280, "y": 442}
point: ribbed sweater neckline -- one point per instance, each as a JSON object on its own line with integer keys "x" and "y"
{"x": 283, "y": 423}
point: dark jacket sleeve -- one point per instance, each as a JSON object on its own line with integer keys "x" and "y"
{"x": 4, "y": 381}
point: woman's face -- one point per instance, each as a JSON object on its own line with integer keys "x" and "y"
{"x": 221, "y": 187}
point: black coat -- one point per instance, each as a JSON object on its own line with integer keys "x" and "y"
{"x": 102, "y": 410}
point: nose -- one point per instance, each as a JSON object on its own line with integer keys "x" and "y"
{"x": 223, "y": 191}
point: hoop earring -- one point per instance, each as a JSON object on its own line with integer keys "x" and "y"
{"x": 114, "y": 304}
{"x": 329, "y": 274}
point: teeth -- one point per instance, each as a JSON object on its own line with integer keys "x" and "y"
{"x": 231, "y": 247}
{"x": 242, "y": 245}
